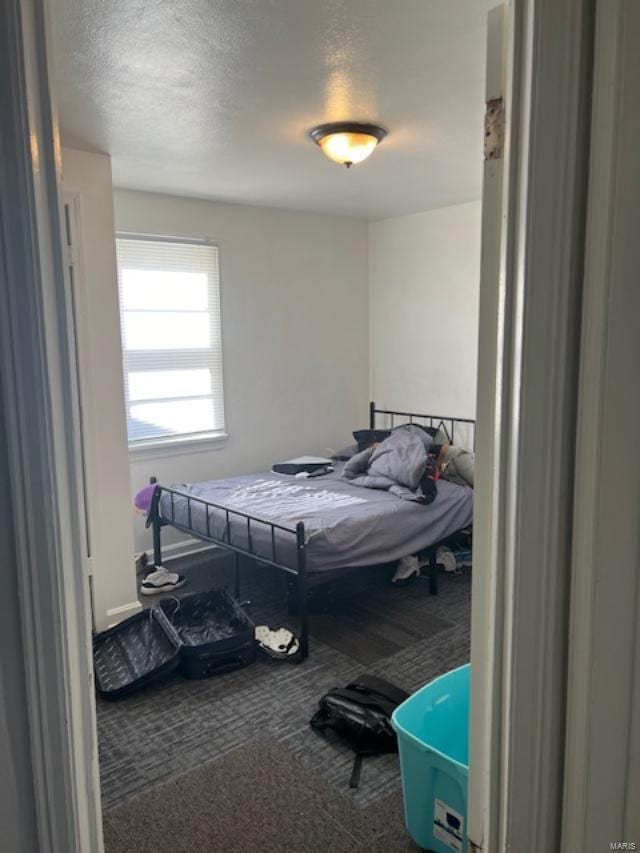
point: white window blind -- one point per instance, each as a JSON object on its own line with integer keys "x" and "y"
{"x": 171, "y": 339}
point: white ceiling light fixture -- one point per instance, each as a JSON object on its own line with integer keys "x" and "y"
{"x": 347, "y": 142}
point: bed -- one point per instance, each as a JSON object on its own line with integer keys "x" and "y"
{"x": 316, "y": 527}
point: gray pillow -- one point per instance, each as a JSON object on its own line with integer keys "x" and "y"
{"x": 345, "y": 454}
{"x": 460, "y": 465}
{"x": 441, "y": 437}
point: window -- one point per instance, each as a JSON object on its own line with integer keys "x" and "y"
{"x": 171, "y": 341}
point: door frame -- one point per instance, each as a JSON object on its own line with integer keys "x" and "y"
{"x": 522, "y": 574}
{"x": 602, "y": 763}
{"x": 40, "y": 407}
{"x": 72, "y": 225}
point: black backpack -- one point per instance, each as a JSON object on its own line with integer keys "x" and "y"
{"x": 360, "y": 715}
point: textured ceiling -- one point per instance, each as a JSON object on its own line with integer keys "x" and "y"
{"x": 214, "y": 98}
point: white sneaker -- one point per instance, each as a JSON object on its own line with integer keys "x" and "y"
{"x": 278, "y": 643}
{"x": 161, "y": 580}
{"x": 406, "y": 568}
{"x": 446, "y": 558}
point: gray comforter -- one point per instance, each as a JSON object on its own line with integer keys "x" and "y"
{"x": 344, "y": 525}
{"x": 396, "y": 465}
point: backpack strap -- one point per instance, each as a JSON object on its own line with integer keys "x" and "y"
{"x": 354, "y": 781}
{"x": 330, "y": 735}
{"x": 373, "y": 684}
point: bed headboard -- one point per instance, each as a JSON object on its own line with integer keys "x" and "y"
{"x": 460, "y": 431}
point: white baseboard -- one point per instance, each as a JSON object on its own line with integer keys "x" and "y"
{"x": 117, "y": 614}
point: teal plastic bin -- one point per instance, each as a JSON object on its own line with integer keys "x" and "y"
{"x": 433, "y": 740}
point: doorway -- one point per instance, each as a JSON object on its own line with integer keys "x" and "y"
{"x": 512, "y": 449}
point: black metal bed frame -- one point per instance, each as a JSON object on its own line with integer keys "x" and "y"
{"x": 444, "y": 422}
{"x": 157, "y": 521}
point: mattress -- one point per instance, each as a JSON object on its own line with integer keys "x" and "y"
{"x": 345, "y": 525}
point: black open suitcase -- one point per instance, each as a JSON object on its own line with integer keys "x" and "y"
{"x": 135, "y": 653}
{"x": 216, "y": 635}
{"x": 202, "y": 634}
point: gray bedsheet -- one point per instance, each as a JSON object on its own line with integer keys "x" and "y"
{"x": 344, "y": 525}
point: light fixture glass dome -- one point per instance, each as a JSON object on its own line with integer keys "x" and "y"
{"x": 348, "y": 142}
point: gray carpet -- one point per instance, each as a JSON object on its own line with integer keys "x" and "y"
{"x": 370, "y": 630}
{"x": 193, "y": 734}
{"x": 255, "y": 798}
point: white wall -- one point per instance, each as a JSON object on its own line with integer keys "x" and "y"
{"x": 295, "y": 332}
{"x": 88, "y": 178}
{"x": 298, "y": 293}
{"x": 424, "y": 286}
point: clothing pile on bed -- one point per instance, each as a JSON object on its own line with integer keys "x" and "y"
{"x": 456, "y": 462}
{"x": 403, "y": 464}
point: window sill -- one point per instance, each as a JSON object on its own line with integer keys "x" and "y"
{"x": 179, "y": 446}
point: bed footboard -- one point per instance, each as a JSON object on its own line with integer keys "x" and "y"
{"x": 213, "y": 511}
